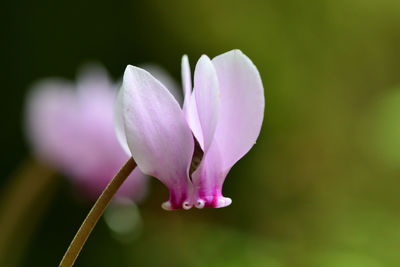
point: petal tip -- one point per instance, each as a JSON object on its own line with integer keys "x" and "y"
{"x": 204, "y": 57}
{"x": 223, "y": 202}
{"x": 129, "y": 67}
{"x": 132, "y": 71}
{"x": 166, "y": 205}
{"x": 237, "y": 51}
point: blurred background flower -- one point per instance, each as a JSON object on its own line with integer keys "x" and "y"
{"x": 71, "y": 128}
{"x": 320, "y": 188}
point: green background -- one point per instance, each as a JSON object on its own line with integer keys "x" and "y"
{"x": 322, "y": 185}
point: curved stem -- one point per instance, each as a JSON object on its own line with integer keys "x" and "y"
{"x": 95, "y": 213}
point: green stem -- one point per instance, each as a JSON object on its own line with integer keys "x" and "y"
{"x": 95, "y": 213}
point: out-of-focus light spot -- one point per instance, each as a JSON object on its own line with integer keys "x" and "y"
{"x": 123, "y": 219}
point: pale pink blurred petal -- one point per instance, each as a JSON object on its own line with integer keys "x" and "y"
{"x": 70, "y": 127}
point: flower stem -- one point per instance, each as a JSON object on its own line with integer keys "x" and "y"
{"x": 95, "y": 213}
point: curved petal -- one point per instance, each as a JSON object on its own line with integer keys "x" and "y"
{"x": 242, "y": 106}
{"x": 157, "y": 133}
{"x": 161, "y": 75}
{"x": 165, "y": 78}
{"x": 186, "y": 80}
{"x": 201, "y": 107}
{"x": 192, "y": 119}
{"x": 119, "y": 122}
{"x": 239, "y": 124}
{"x": 207, "y": 98}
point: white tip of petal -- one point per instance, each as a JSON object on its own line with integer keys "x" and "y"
{"x": 223, "y": 202}
{"x": 186, "y": 205}
{"x": 200, "y": 204}
{"x": 166, "y": 205}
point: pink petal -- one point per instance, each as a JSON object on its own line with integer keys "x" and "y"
{"x": 206, "y": 91}
{"x": 157, "y": 133}
{"x": 161, "y": 75}
{"x": 208, "y": 179}
{"x": 242, "y": 106}
{"x": 72, "y": 130}
{"x": 92, "y": 78}
{"x": 192, "y": 118}
{"x": 119, "y": 122}
{"x": 50, "y": 112}
{"x": 165, "y": 78}
{"x": 201, "y": 107}
{"x": 186, "y": 80}
{"x": 204, "y": 98}
{"x": 239, "y": 124}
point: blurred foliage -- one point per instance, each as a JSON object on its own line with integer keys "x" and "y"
{"x": 320, "y": 188}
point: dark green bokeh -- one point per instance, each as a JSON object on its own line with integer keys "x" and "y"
{"x": 322, "y": 185}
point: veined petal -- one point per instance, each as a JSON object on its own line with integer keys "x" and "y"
{"x": 206, "y": 92}
{"x": 157, "y": 133}
{"x": 242, "y": 106}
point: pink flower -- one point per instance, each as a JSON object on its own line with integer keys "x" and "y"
{"x": 191, "y": 149}
{"x": 70, "y": 127}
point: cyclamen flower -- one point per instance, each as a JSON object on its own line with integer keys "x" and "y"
{"x": 192, "y": 149}
{"x": 70, "y": 127}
